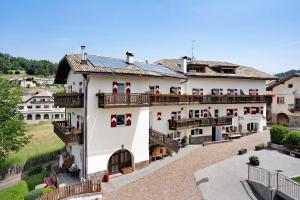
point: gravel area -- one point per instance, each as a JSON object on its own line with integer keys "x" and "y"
{"x": 176, "y": 180}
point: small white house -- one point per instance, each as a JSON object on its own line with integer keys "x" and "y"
{"x": 285, "y": 108}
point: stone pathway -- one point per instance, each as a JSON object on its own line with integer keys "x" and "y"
{"x": 14, "y": 179}
{"x": 176, "y": 180}
{"x": 222, "y": 181}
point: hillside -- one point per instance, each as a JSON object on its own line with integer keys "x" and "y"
{"x": 287, "y": 73}
{"x": 10, "y": 64}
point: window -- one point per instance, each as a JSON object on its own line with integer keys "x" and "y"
{"x": 120, "y": 120}
{"x": 290, "y": 85}
{"x": 229, "y": 112}
{"x": 231, "y": 129}
{"x": 197, "y": 91}
{"x": 56, "y": 116}
{"x": 121, "y": 87}
{"x": 191, "y": 114}
{"x": 197, "y": 114}
{"x": 46, "y": 116}
{"x": 195, "y": 132}
{"x": 37, "y": 116}
{"x": 29, "y": 117}
{"x": 177, "y": 135}
{"x": 232, "y": 91}
{"x": 38, "y": 107}
{"x": 21, "y": 107}
{"x": 154, "y": 89}
{"x": 196, "y": 68}
{"x": 175, "y": 90}
{"x": 216, "y": 91}
{"x": 253, "y": 91}
{"x": 216, "y": 112}
{"x": 46, "y": 106}
{"x": 246, "y": 110}
{"x": 29, "y": 107}
{"x": 252, "y": 127}
{"x": 280, "y": 100}
{"x": 176, "y": 115}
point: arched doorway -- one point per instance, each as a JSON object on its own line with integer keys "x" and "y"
{"x": 29, "y": 117}
{"x": 119, "y": 160}
{"x": 37, "y": 117}
{"x": 46, "y": 116}
{"x": 283, "y": 119}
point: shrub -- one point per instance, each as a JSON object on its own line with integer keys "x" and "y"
{"x": 32, "y": 195}
{"x": 293, "y": 138}
{"x": 253, "y": 159}
{"x": 260, "y": 146}
{"x": 17, "y": 72}
{"x": 35, "y": 170}
{"x": 278, "y": 134}
{"x": 242, "y": 151}
{"x": 47, "y": 190}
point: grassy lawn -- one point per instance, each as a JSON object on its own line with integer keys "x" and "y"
{"x": 43, "y": 142}
{"x": 9, "y": 76}
{"x": 15, "y": 192}
{"x": 297, "y": 179}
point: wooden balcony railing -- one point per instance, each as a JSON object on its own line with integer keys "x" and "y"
{"x": 66, "y": 133}
{"x": 110, "y": 100}
{"x": 162, "y": 139}
{"x": 169, "y": 99}
{"x": 68, "y": 100}
{"x": 199, "y": 122}
{"x": 41, "y": 102}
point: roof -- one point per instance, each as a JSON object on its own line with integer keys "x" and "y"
{"x": 38, "y": 93}
{"x": 109, "y": 65}
{"x": 273, "y": 84}
{"x": 241, "y": 71}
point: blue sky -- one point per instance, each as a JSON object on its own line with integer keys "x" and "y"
{"x": 263, "y": 34}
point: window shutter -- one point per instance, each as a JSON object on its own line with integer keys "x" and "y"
{"x": 113, "y": 122}
{"x": 128, "y": 119}
{"x": 159, "y": 116}
{"x": 277, "y": 99}
{"x": 128, "y": 88}
{"x": 115, "y": 87}
{"x": 179, "y": 90}
{"x": 235, "y": 112}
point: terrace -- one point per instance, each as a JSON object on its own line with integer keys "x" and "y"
{"x": 67, "y": 134}
{"x": 199, "y": 122}
{"x": 111, "y": 100}
{"x": 69, "y": 100}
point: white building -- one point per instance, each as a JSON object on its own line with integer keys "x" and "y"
{"x": 285, "y": 108}
{"x": 40, "y": 107}
{"x": 115, "y": 103}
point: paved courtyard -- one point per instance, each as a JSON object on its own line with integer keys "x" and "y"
{"x": 176, "y": 179}
{"x": 222, "y": 181}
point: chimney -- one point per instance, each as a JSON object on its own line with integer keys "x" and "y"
{"x": 129, "y": 57}
{"x": 83, "y": 55}
{"x": 184, "y": 61}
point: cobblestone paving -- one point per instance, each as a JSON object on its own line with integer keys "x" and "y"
{"x": 176, "y": 180}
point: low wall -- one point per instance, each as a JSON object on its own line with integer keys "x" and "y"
{"x": 19, "y": 168}
{"x": 262, "y": 191}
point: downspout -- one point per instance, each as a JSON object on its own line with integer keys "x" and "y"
{"x": 85, "y": 103}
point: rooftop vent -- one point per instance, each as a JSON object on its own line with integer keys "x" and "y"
{"x": 184, "y": 61}
{"x": 83, "y": 55}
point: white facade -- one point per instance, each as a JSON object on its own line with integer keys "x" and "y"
{"x": 286, "y": 101}
{"x": 103, "y": 140}
{"x": 41, "y": 108}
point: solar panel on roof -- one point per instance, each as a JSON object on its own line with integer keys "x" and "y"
{"x": 155, "y": 68}
{"x": 99, "y": 61}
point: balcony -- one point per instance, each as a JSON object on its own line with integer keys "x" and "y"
{"x": 170, "y": 99}
{"x": 68, "y": 100}
{"x": 293, "y": 107}
{"x": 69, "y": 135}
{"x": 110, "y": 100}
{"x": 41, "y": 102}
{"x": 199, "y": 122}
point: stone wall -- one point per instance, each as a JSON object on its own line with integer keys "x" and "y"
{"x": 200, "y": 139}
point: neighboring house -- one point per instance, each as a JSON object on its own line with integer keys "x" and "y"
{"x": 116, "y": 109}
{"x": 285, "y": 107}
{"x": 40, "y": 107}
{"x": 23, "y": 82}
{"x": 44, "y": 81}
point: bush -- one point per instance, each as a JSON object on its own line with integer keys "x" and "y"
{"x": 253, "y": 158}
{"x": 260, "y": 146}
{"x": 278, "y": 134}
{"x": 242, "y": 151}
{"x": 35, "y": 170}
{"x": 46, "y": 190}
{"x": 17, "y": 72}
{"x": 293, "y": 138}
{"x": 32, "y": 195}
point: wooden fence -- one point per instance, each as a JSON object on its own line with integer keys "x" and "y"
{"x": 73, "y": 190}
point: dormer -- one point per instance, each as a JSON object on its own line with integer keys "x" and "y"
{"x": 191, "y": 67}
{"x": 224, "y": 69}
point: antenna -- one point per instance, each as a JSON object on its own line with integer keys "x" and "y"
{"x": 193, "y": 41}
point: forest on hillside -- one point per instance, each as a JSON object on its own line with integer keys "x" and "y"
{"x": 287, "y": 73}
{"x": 9, "y": 63}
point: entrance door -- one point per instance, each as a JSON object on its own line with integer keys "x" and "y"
{"x": 213, "y": 133}
{"x": 150, "y": 120}
{"x": 119, "y": 160}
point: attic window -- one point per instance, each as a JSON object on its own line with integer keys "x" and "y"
{"x": 290, "y": 85}
{"x": 196, "y": 68}
{"x": 228, "y": 70}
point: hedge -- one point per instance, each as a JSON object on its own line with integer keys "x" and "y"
{"x": 293, "y": 138}
{"x": 278, "y": 134}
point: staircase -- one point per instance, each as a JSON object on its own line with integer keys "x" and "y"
{"x": 156, "y": 137}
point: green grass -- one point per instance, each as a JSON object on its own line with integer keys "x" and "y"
{"x": 15, "y": 192}
{"x": 35, "y": 179}
{"x": 9, "y": 76}
{"x": 297, "y": 179}
{"x": 43, "y": 142}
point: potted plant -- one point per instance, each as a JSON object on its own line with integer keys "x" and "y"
{"x": 184, "y": 141}
{"x": 260, "y": 147}
{"x": 254, "y": 160}
{"x": 106, "y": 177}
{"x": 242, "y": 151}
